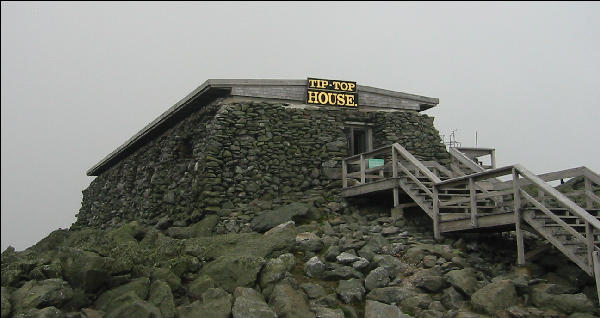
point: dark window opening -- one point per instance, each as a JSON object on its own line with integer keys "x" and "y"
{"x": 185, "y": 149}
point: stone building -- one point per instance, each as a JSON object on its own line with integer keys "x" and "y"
{"x": 231, "y": 145}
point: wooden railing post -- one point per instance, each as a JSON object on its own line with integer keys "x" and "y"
{"x": 517, "y": 208}
{"x": 363, "y": 178}
{"x": 344, "y": 174}
{"x": 473, "y": 196}
{"x": 588, "y": 189}
{"x": 596, "y": 266}
{"x": 395, "y": 175}
{"x": 436, "y": 213}
{"x": 589, "y": 235}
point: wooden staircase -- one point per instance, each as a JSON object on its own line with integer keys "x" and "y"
{"x": 465, "y": 196}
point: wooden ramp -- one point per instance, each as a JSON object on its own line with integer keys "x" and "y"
{"x": 464, "y": 196}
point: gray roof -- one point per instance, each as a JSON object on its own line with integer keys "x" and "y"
{"x": 292, "y": 90}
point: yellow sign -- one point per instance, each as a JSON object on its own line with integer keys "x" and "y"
{"x": 331, "y": 92}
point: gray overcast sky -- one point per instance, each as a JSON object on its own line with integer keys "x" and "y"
{"x": 80, "y": 79}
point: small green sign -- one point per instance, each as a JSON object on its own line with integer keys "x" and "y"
{"x": 375, "y": 163}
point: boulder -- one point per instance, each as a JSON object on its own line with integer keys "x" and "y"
{"x": 138, "y": 286}
{"x": 271, "y": 218}
{"x": 391, "y": 295}
{"x": 308, "y": 242}
{"x": 230, "y": 272}
{"x": 216, "y": 303}
{"x": 5, "y": 306}
{"x": 86, "y": 270}
{"x": 40, "y": 294}
{"x": 431, "y": 284}
{"x": 162, "y": 297}
{"x": 48, "y": 312}
{"x": 129, "y": 305}
{"x": 375, "y": 309}
{"x": 379, "y": 277}
{"x": 288, "y": 302}
{"x": 274, "y": 271}
{"x": 495, "y": 296}
{"x": 351, "y": 290}
{"x": 314, "y": 267}
{"x": 347, "y": 258}
{"x": 250, "y": 304}
{"x": 451, "y": 298}
{"x": 392, "y": 264}
{"x": 313, "y": 291}
{"x": 324, "y": 312}
{"x": 464, "y": 280}
{"x": 200, "y": 285}
{"x": 546, "y": 296}
{"x": 203, "y": 228}
{"x": 331, "y": 253}
{"x": 342, "y": 272}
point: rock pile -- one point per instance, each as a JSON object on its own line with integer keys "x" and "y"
{"x": 344, "y": 265}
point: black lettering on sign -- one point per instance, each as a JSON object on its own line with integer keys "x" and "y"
{"x": 331, "y": 92}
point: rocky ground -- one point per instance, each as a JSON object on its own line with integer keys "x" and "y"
{"x": 290, "y": 260}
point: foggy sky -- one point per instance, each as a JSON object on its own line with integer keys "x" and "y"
{"x": 80, "y": 79}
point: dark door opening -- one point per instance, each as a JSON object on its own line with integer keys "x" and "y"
{"x": 357, "y": 140}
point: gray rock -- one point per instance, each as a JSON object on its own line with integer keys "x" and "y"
{"x": 542, "y": 296}
{"x": 375, "y": 309}
{"x": 347, "y": 258}
{"x": 324, "y": 312}
{"x": 351, "y": 290}
{"x": 313, "y": 291}
{"x": 393, "y": 265}
{"x": 331, "y": 253}
{"x": 84, "y": 269}
{"x": 48, "y": 312}
{"x": 360, "y": 263}
{"x": 39, "y": 294}
{"x": 431, "y": 284}
{"x": 250, "y": 304}
{"x": 162, "y": 297}
{"x": 391, "y": 295}
{"x": 216, "y": 303}
{"x": 495, "y": 296}
{"x": 308, "y": 241}
{"x": 451, "y": 298}
{"x": 379, "y": 277}
{"x": 386, "y": 231}
{"x": 415, "y": 303}
{"x": 288, "y": 302}
{"x": 230, "y": 272}
{"x": 129, "y": 305}
{"x": 200, "y": 285}
{"x": 271, "y": 218}
{"x": 314, "y": 267}
{"x": 6, "y": 306}
{"x": 342, "y": 272}
{"x": 275, "y": 269}
{"x": 464, "y": 280}
{"x": 429, "y": 261}
{"x": 138, "y": 286}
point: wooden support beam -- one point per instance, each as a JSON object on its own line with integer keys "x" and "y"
{"x": 344, "y": 174}
{"x": 363, "y": 178}
{"x": 473, "y": 197}
{"x": 436, "y": 214}
{"x": 518, "y": 219}
{"x": 596, "y": 265}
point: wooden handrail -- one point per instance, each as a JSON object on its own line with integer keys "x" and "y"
{"x": 462, "y": 158}
{"x": 488, "y": 174}
{"x": 408, "y": 156}
{"x": 559, "y": 197}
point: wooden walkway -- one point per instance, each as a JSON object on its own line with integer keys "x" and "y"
{"x": 464, "y": 196}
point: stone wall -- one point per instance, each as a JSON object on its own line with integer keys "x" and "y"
{"x": 233, "y": 152}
